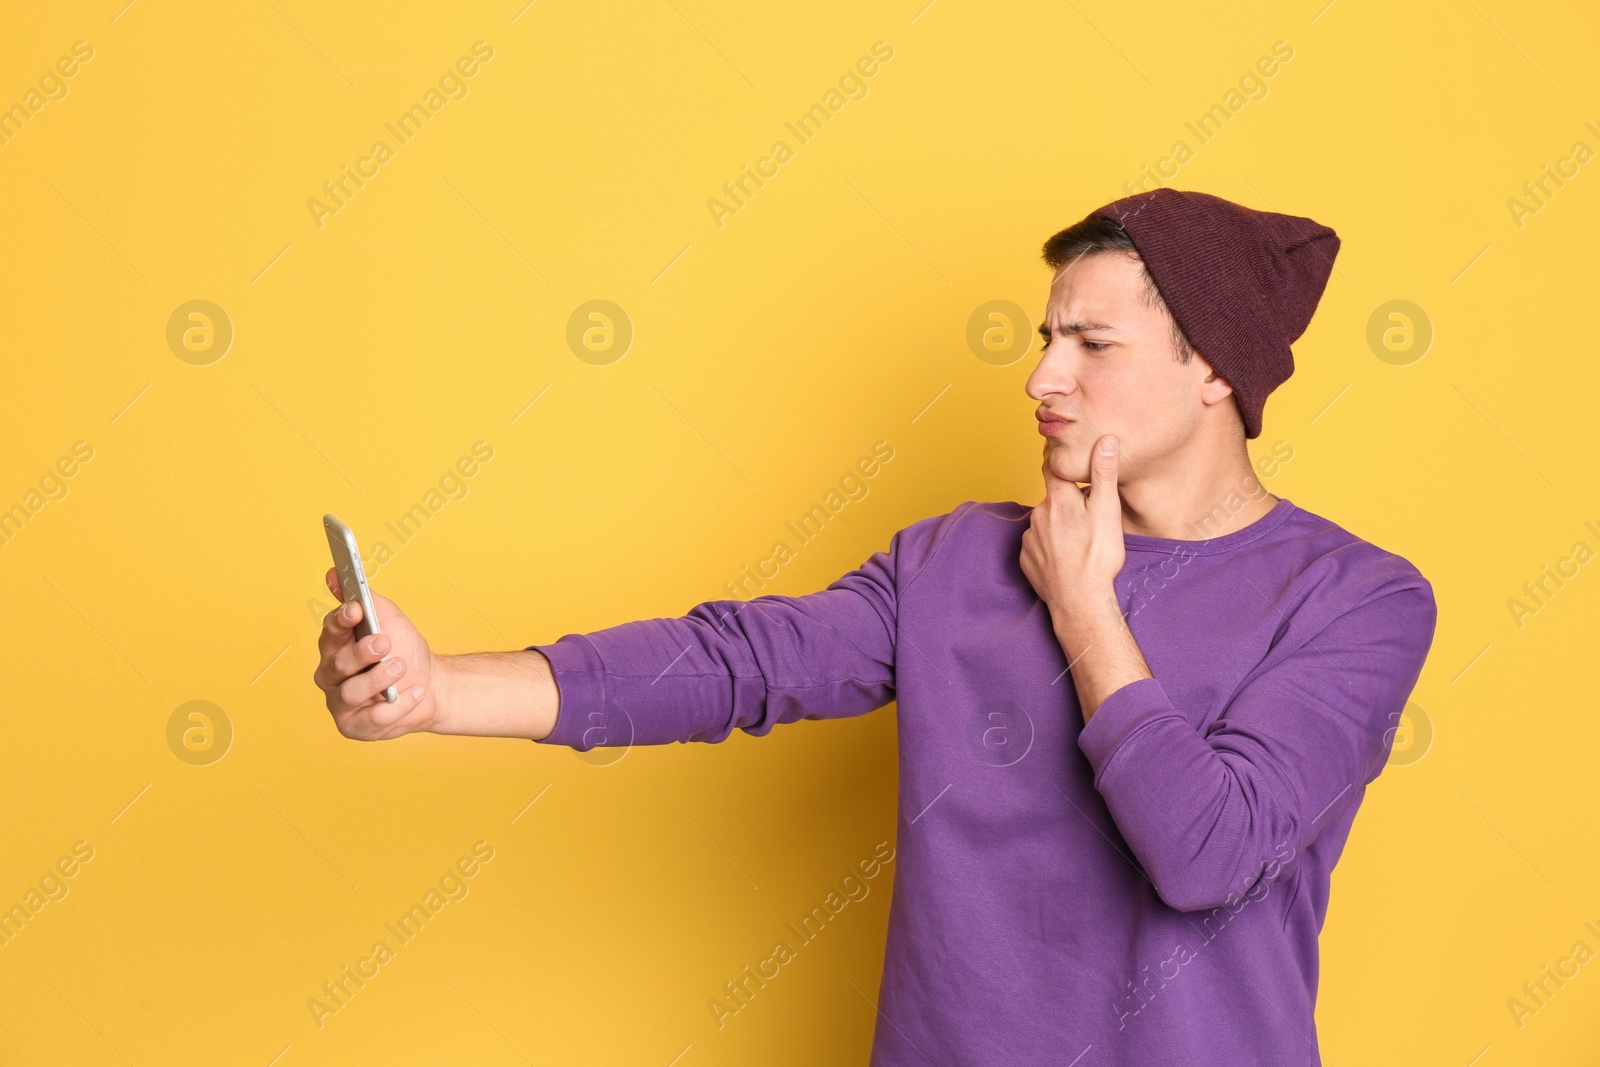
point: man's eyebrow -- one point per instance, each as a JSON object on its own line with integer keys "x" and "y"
{"x": 1079, "y": 326}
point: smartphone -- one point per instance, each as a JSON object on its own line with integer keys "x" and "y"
{"x": 353, "y": 581}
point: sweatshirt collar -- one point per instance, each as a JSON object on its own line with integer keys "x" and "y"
{"x": 1224, "y": 543}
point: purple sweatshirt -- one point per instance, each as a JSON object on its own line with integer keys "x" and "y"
{"x": 1144, "y": 889}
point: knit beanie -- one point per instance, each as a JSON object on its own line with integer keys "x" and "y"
{"x": 1242, "y": 284}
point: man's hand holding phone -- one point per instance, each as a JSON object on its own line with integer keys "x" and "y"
{"x": 381, "y": 680}
{"x": 353, "y": 679}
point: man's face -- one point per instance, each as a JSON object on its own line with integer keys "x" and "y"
{"x": 1110, "y": 366}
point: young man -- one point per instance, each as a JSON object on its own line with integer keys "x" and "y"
{"x": 1129, "y": 865}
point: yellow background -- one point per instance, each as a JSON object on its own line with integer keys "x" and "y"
{"x": 769, "y": 354}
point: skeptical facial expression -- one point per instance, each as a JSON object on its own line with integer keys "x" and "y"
{"x": 1109, "y": 366}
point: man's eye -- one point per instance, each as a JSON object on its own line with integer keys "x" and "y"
{"x": 1095, "y": 346}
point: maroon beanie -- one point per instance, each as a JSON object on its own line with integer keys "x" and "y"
{"x": 1242, "y": 284}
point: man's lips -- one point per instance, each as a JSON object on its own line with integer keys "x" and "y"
{"x": 1051, "y": 424}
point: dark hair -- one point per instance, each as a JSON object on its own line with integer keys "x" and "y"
{"x": 1096, "y": 236}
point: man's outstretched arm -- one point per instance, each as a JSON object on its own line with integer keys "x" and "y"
{"x": 725, "y": 665}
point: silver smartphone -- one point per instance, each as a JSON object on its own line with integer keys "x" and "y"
{"x": 353, "y": 581}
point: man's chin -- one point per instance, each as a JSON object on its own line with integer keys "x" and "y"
{"x": 1066, "y": 463}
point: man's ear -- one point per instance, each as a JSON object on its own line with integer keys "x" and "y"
{"x": 1214, "y": 389}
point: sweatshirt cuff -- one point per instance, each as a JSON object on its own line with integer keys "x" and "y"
{"x": 1119, "y": 717}
{"x": 580, "y": 686}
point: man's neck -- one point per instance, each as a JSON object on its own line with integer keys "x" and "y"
{"x": 1195, "y": 503}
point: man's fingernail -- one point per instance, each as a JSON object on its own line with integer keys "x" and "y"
{"x": 1108, "y": 446}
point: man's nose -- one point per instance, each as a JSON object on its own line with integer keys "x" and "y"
{"x": 1050, "y": 378}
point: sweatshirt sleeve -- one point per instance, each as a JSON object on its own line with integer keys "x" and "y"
{"x": 741, "y": 664}
{"x": 1209, "y": 813}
